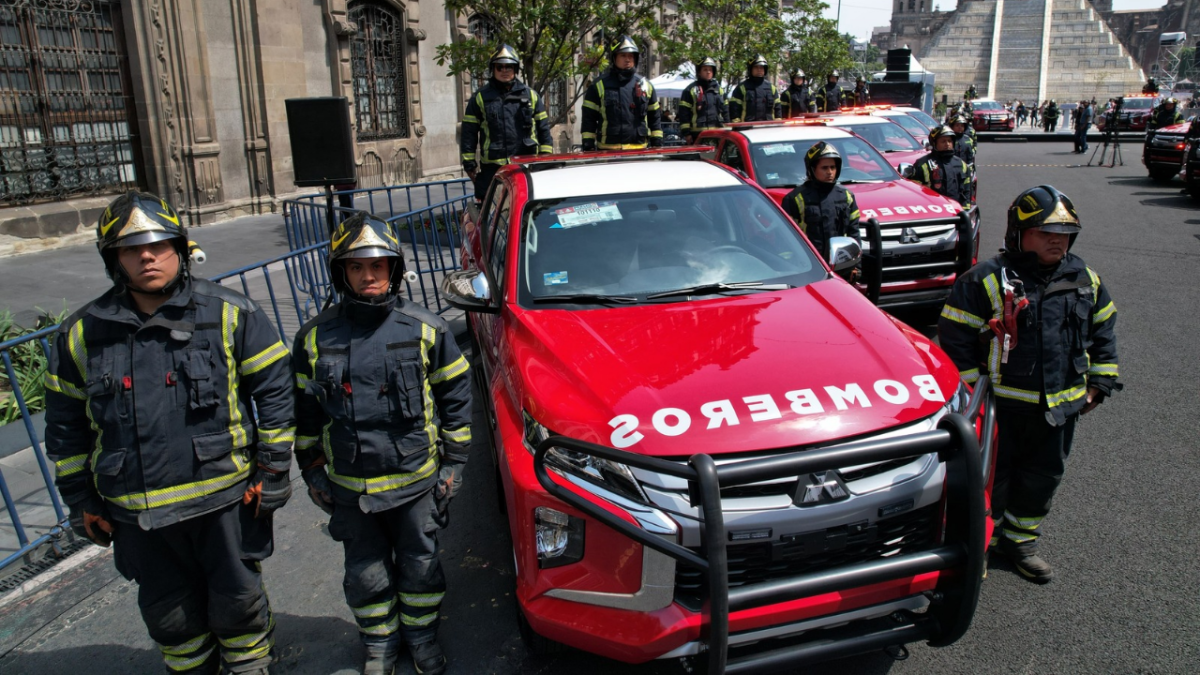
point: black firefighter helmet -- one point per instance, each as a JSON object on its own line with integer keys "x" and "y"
{"x": 820, "y": 150}
{"x": 137, "y": 218}
{"x": 625, "y": 45}
{"x": 794, "y": 73}
{"x": 364, "y": 235}
{"x": 758, "y": 60}
{"x": 1042, "y": 207}
{"x": 940, "y": 131}
{"x": 711, "y": 63}
{"x": 505, "y": 55}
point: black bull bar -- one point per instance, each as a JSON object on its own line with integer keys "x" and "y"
{"x": 962, "y": 549}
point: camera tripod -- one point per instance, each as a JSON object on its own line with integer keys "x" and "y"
{"x": 1110, "y": 139}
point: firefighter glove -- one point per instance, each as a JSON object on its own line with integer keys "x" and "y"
{"x": 319, "y": 489}
{"x": 269, "y": 493}
{"x": 449, "y": 480}
{"x": 87, "y": 520}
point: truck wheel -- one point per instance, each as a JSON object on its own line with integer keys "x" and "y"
{"x": 1162, "y": 175}
{"x": 537, "y": 645}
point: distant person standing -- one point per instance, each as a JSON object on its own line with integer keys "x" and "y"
{"x": 1022, "y": 113}
{"x": 1081, "y": 126}
{"x": 620, "y": 111}
{"x": 797, "y": 99}
{"x": 756, "y": 99}
{"x": 701, "y": 105}
{"x": 1050, "y": 117}
{"x": 1033, "y": 115}
{"x": 829, "y": 97}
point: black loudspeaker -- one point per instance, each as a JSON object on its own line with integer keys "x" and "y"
{"x": 1196, "y": 56}
{"x": 322, "y": 146}
{"x": 898, "y": 64}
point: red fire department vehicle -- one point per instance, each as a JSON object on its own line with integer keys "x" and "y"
{"x": 710, "y": 447}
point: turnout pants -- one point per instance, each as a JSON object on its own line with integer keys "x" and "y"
{"x": 394, "y": 583}
{"x": 200, "y": 588}
{"x": 1030, "y": 463}
{"x": 483, "y": 178}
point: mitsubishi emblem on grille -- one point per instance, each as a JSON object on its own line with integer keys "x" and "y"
{"x": 909, "y": 236}
{"x": 823, "y": 487}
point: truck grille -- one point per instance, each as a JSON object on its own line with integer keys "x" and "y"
{"x": 809, "y": 552}
{"x": 789, "y": 487}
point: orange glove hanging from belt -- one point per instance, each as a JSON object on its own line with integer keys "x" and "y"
{"x": 1006, "y": 328}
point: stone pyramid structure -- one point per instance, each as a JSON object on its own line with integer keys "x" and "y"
{"x": 1030, "y": 50}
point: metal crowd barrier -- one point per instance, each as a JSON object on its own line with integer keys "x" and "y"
{"x": 961, "y": 552}
{"x": 292, "y": 288}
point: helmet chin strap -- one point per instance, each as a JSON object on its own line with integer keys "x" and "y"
{"x": 126, "y": 283}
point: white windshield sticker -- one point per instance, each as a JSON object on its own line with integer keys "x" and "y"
{"x": 779, "y": 149}
{"x": 586, "y": 214}
{"x": 772, "y": 176}
{"x": 554, "y": 278}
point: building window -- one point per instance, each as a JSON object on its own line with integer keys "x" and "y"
{"x": 378, "y": 65}
{"x": 64, "y": 102}
{"x": 556, "y": 102}
{"x": 900, "y": 7}
{"x": 483, "y": 29}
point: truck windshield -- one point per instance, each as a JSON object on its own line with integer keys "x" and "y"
{"x": 885, "y": 137}
{"x": 910, "y": 125}
{"x": 781, "y": 163}
{"x": 988, "y": 105}
{"x": 621, "y": 248}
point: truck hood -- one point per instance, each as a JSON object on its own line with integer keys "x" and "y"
{"x": 893, "y": 202}
{"x": 728, "y": 374}
{"x": 1181, "y": 128}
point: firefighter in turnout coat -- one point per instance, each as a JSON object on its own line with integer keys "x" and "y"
{"x": 170, "y": 423}
{"x": 384, "y": 407}
{"x": 1040, "y": 323}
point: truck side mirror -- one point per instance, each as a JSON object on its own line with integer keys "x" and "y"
{"x": 469, "y": 291}
{"x": 844, "y": 253}
{"x": 906, "y": 169}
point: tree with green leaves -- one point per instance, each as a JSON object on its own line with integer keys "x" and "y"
{"x": 732, "y": 32}
{"x": 560, "y": 42}
{"x": 814, "y": 43}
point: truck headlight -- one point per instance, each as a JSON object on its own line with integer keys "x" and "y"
{"x": 612, "y": 476}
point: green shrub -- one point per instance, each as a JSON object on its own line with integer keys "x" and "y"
{"x": 29, "y": 364}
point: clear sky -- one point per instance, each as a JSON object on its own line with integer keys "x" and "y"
{"x": 860, "y": 17}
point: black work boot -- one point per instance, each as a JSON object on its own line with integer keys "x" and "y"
{"x": 428, "y": 658}
{"x": 1028, "y": 563}
{"x": 381, "y": 659}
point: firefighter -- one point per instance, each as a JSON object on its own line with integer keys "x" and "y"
{"x": 1040, "y": 323}
{"x": 620, "y": 111}
{"x": 756, "y": 99}
{"x": 964, "y": 141}
{"x": 508, "y": 116}
{"x": 169, "y": 419}
{"x": 796, "y": 100}
{"x": 384, "y": 407}
{"x": 828, "y": 98}
{"x": 943, "y": 171}
{"x": 822, "y": 208}
{"x": 861, "y": 95}
{"x": 1166, "y": 114}
{"x": 1151, "y": 87}
{"x": 971, "y": 94}
{"x": 701, "y": 105}
{"x": 1050, "y": 117}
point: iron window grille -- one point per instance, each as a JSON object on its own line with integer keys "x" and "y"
{"x": 378, "y": 67}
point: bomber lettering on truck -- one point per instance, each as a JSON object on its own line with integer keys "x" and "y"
{"x": 763, "y": 407}
{"x": 909, "y": 210}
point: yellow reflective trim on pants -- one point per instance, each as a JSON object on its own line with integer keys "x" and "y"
{"x": 386, "y": 628}
{"x": 1019, "y": 537}
{"x": 545, "y": 149}
{"x": 182, "y": 663}
{"x": 423, "y": 620}
{"x": 1105, "y": 369}
{"x": 263, "y": 359}
{"x": 1024, "y": 523}
{"x": 969, "y": 376}
{"x": 1017, "y": 394}
{"x": 587, "y": 135}
{"x": 137, "y": 501}
{"x": 462, "y": 435}
{"x": 61, "y": 386}
{"x": 449, "y": 372}
{"x": 1066, "y": 396}
{"x": 421, "y": 599}
{"x": 302, "y": 381}
{"x": 187, "y": 647}
{"x": 306, "y": 442}
{"x": 1104, "y": 314}
{"x": 70, "y": 466}
{"x": 379, "y": 484}
{"x": 229, "y": 322}
{"x": 959, "y": 316}
{"x": 287, "y": 435}
{"x": 378, "y": 610}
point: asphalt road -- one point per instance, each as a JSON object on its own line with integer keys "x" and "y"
{"x": 1122, "y": 536}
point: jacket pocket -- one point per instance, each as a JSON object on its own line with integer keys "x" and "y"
{"x": 406, "y": 381}
{"x": 106, "y": 394}
{"x": 197, "y": 367}
{"x": 110, "y": 480}
{"x": 209, "y": 447}
{"x": 329, "y": 374}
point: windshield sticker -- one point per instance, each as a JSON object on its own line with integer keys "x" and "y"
{"x": 554, "y": 278}
{"x": 586, "y": 214}
{"x": 779, "y": 149}
{"x": 772, "y": 176}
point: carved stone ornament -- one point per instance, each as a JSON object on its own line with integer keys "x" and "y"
{"x": 414, "y": 34}
{"x": 344, "y": 28}
{"x": 420, "y": 129}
